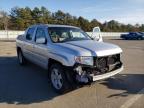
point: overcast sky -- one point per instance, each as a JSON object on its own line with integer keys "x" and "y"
{"x": 124, "y": 11}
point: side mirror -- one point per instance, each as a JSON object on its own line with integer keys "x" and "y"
{"x": 41, "y": 40}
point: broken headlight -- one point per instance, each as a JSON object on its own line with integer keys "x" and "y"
{"x": 86, "y": 60}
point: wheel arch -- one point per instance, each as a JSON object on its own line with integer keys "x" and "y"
{"x": 68, "y": 72}
{"x": 50, "y": 62}
{"x": 18, "y": 49}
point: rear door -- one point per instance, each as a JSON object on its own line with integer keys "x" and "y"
{"x": 28, "y": 44}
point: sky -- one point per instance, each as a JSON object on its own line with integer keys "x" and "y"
{"x": 124, "y": 11}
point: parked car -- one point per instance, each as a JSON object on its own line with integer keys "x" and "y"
{"x": 133, "y": 35}
{"x": 69, "y": 54}
{"x": 141, "y": 33}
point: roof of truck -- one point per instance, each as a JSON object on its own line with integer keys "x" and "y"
{"x": 54, "y": 25}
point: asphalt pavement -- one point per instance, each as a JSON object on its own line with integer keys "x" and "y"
{"x": 28, "y": 86}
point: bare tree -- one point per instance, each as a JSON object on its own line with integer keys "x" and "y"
{"x": 4, "y": 19}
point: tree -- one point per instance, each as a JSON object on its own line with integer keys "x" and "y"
{"x": 36, "y": 13}
{"x": 59, "y": 17}
{"x": 46, "y": 15}
{"x": 95, "y": 23}
{"x": 112, "y": 26}
{"x": 83, "y": 23}
{"x": 142, "y": 27}
{"x": 4, "y": 19}
{"x": 21, "y": 18}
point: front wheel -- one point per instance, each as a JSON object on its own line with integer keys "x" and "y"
{"x": 58, "y": 79}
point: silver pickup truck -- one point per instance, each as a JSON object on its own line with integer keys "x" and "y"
{"x": 69, "y": 54}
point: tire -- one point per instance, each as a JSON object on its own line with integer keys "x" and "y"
{"x": 21, "y": 59}
{"x": 139, "y": 38}
{"x": 58, "y": 79}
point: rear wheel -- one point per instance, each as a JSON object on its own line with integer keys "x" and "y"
{"x": 21, "y": 58}
{"x": 58, "y": 79}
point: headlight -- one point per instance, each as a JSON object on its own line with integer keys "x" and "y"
{"x": 84, "y": 60}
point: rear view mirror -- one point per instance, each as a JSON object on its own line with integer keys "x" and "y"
{"x": 41, "y": 40}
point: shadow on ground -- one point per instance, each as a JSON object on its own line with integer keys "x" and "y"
{"x": 29, "y": 84}
{"x": 129, "y": 83}
{"x": 23, "y": 85}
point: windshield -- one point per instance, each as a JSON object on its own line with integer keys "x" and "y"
{"x": 141, "y": 32}
{"x": 64, "y": 34}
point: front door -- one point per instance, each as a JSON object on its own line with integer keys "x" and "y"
{"x": 40, "y": 49}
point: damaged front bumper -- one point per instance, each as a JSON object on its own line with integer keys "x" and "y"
{"x": 85, "y": 76}
{"x": 106, "y": 75}
{"x": 103, "y": 68}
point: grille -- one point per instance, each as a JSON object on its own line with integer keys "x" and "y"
{"x": 105, "y": 64}
{"x": 101, "y": 63}
{"x": 112, "y": 59}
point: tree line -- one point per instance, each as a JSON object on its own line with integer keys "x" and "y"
{"x": 21, "y": 18}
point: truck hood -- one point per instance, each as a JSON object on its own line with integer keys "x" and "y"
{"x": 93, "y": 48}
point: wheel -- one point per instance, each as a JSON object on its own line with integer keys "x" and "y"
{"x": 139, "y": 38}
{"x": 58, "y": 79}
{"x": 21, "y": 58}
